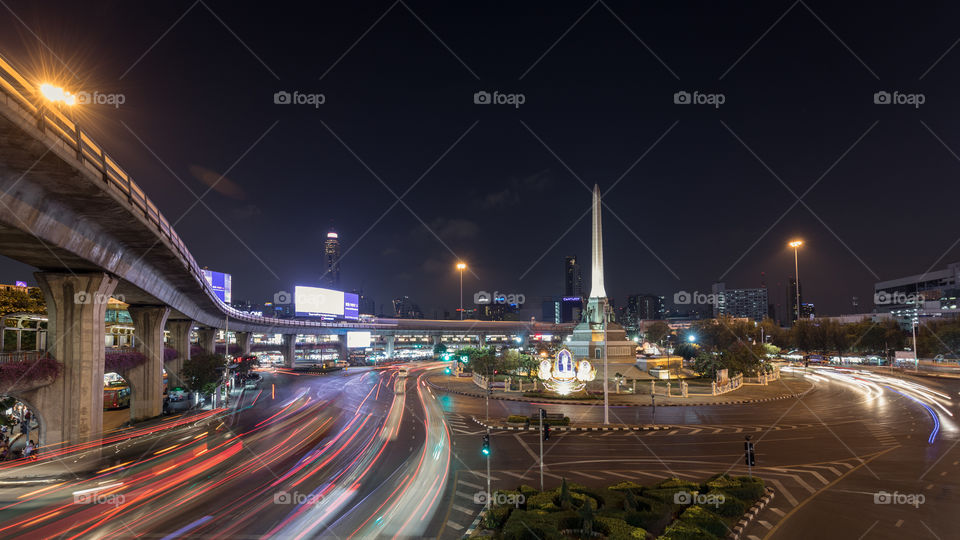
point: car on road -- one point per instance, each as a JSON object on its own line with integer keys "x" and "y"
{"x": 403, "y": 372}
{"x": 252, "y": 380}
{"x": 116, "y": 397}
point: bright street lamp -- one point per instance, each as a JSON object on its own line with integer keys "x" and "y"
{"x": 691, "y": 338}
{"x": 461, "y": 267}
{"x": 57, "y": 94}
{"x": 795, "y": 244}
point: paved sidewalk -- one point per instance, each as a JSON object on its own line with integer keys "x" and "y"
{"x": 788, "y": 386}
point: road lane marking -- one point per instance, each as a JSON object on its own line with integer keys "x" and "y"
{"x": 621, "y": 475}
{"x": 777, "y": 511}
{"x": 468, "y": 484}
{"x": 786, "y": 493}
{"x": 863, "y": 463}
{"x": 454, "y": 526}
{"x": 587, "y": 475}
{"x": 695, "y": 431}
{"x": 898, "y": 523}
{"x": 766, "y": 524}
{"x": 521, "y": 476}
{"x": 464, "y": 495}
{"x": 459, "y": 508}
{"x": 526, "y": 447}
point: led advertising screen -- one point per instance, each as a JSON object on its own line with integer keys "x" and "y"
{"x": 358, "y": 340}
{"x": 221, "y": 284}
{"x": 317, "y": 302}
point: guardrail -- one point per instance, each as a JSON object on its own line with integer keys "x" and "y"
{"x": 22, "y": 356}
{"x": 56, "y": 124}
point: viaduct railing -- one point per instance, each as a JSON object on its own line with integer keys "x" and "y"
{"x": 56, "y": 124}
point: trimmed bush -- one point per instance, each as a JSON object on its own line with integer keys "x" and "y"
{"x": 530, "y": 525}
{"x": 625, "y": 486}
{"x": 731, "y": 507}
{"x": 497, "y": 516}
{"x": 618, "y": 529}
{"x": 543, "y": 501}
{"x": 674, "y": 483}
{"x": 682, "y": 530}
{"x": 517, "y": 419}
{"x": 706, "y": 520}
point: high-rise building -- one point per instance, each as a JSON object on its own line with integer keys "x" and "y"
{"x": 561, "y": 309}
{"x": 642, "y": 307}
{"x": 931, "y": 294}
{"x": 572, "y": 277}
{"x": 794, "y": 290}
{"x": 365, "y": 303}
{"x": 331, "y": 253}
{"x": 739, "y": 303}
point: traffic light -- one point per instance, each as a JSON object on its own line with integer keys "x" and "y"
{"x": 543, "y": 414}
{"x": 546, "y": 432}
{"x": 447, "y": 371}
{"x": 749, "y": 456}
{"x": 485, "y": 450}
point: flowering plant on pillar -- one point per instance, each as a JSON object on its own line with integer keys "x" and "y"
{"x": 118, "y": 361}
{"x": 44, "y": 367}
{"x": 169, "y": 353}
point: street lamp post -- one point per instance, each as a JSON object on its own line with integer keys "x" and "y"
{"x": 795, "y": 244}
{"x": 606, "y": 398}
{"x": 461, "y": 267}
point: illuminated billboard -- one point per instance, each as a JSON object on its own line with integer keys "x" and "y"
{"x": 358, "y": 340}
{"x": 317, "y": 302}
{"x": 221, "y": 284}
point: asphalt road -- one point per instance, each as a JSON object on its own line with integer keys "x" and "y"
{"x": 307, "y": 456}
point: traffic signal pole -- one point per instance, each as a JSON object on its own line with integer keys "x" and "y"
{"x": 489, "y": 493}
{"x": 541, "y": 449}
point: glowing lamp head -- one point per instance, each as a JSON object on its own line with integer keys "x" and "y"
{"x": 461, "y": 266}
{"x": 691, "y": 338}
{"x": 796, "y": 243}
{"x": 57, "y": 94}
{"x": 332, "y": 235}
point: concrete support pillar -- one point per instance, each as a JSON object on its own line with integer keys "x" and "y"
{"x": 146, "y": 380}
{"x": 481, "y": 340}
{"x": 437, "y": 340}
{"x": 207, "y": 339}
{"x": 388, "y": 344}
{"x": 343, "y": 353}
{"x": 244, "y": 341}
{"x": 71, "y": 409}
{"x": 179, "y": 341}
{"x": 289, "y": 349}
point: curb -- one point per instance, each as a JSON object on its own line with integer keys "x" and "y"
{"x": 476, "y": 523}
{"x": 575, "y": 428}
{"x": 571, "y": 402}
{"x": 751, "y": 514}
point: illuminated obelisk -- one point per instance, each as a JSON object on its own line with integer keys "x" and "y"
{"x": 588, "y": 340}
{"x": 596, "y": 268}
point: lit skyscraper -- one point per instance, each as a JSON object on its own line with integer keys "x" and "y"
{"x": 572, "y": 277}
{"x": 331, "y": 275}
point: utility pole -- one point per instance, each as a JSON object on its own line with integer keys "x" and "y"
{"x": 606, "y": 398}
{"x": 542, "y": 414}
{"x": 486, "y": 451}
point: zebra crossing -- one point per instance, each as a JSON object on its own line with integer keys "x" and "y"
{"x": 881, "y": 434}
{"x": 464, "y": 425}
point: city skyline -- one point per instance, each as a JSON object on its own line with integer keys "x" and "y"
{"x": 663, "y": 243}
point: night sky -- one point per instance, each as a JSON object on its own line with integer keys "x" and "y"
{"x": 694, "y": 193}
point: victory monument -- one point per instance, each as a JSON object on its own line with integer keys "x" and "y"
{"x": 598, "y": 332}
